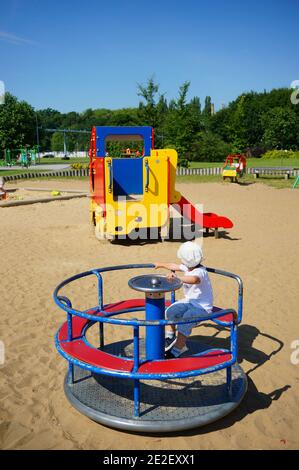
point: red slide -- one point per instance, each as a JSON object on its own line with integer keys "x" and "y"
{"x": 205, "y": 220}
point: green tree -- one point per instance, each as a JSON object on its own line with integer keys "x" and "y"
{"x": 148, "y": 112}
{"x": 281, "y": 128}
{"x": 209, "y": 147}
{"x": 17, "y": 123}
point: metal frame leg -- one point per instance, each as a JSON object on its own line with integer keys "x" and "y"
{"x": 71, "y": 378}
{"x": 229, "y": 380}
{"x": 136, "y": 398}
{"x": 101, "y": 334}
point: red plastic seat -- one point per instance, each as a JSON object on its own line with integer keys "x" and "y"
{"x": 226, "y": 319}
{"x": 186, "y": 364}
{"x": 80, "y": 351}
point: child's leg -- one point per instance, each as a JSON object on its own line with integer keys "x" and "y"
{"x": 174, "y": 312}
{"x": 184, "y": 330}
{"x": 181, "y": 341}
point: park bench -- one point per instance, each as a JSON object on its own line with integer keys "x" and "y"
{"x": 276, "y": 171}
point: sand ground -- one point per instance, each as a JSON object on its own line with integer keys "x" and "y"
{"x": 42, "y": 244}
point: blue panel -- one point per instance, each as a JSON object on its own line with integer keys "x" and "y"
{"x": 102, "y": 132}
{"x": 127, "y": 176}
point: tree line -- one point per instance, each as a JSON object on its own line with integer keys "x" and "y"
{"x": 253, "y": 123}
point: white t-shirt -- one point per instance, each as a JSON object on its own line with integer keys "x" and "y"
{"x": 200, "y": 294}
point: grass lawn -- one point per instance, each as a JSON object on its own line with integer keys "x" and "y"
{"x": 59, "y": 161}
{"x": 18, "y": 172}
{"x": 253, "y": 162}
{"x": 47, "y": 161}
{"x": 276, "y": 182}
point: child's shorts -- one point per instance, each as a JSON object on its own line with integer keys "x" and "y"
{"x": 183, "y": 311}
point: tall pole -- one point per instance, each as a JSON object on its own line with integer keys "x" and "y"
{"x": 64, "y": 144}
{"x": 37, "y": 138}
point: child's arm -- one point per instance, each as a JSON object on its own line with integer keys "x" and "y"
{"x": 190, "y": 279}
{"x": 186, "y": 279}
{"x": 170, "y": 266}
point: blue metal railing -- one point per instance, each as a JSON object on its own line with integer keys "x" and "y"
{"x": 64, "y": 303}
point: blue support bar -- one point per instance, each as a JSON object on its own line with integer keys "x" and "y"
{"x": 155, "y": 335}
{"x": 229, "y": 380}
{"x": 68, "y": 303}
{"x": 234, "y": 341}
{"x": 100, "y": 302}
{"x": 172, "y": 295}
{"x": 136, "y": 348}
{"x": 136, "y": 398}
{"x": 136, "y": 365}
{"x": 69, "y": 327}
{"x": 101, "y": 335}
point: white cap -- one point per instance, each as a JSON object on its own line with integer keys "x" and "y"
{"x": 190, "y": 254}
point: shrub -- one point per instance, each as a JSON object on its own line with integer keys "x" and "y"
{"x": 80, "y": 166}
{"x": 183, "y": 162}
{"x": 279, "y": 154}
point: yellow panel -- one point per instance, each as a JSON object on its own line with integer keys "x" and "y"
{"x": 230, "y": 173}
{"x": 151, "y": 209}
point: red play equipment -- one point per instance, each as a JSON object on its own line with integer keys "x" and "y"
{"x": 206, "y": 220}
{"x": 234, "y": 166}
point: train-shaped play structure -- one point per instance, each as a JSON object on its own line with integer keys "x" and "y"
{"x": 234, "y": 167}
{"x": 134, "y": 191}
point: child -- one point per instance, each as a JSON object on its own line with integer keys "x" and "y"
{"x": 198, "y": 299}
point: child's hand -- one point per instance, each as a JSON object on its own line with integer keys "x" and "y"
{"x": 157, "y": 265}
{"x": 171, "y": 276}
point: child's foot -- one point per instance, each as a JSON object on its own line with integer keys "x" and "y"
{"x": 169, "y": 342}
{"x": 174, "y": 352}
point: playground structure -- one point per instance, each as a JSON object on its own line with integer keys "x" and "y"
{"x": 134, "y": 193}
{"x": 23, "y": 156}
{"x": 234, "y": 167}
{"x": 128, "y": 384}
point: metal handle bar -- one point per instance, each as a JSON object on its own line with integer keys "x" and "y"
{"x": 147, "y": 175}
{"x": 110, "y": 177}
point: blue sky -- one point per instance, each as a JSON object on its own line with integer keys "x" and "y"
{"x": 73, "y": 55}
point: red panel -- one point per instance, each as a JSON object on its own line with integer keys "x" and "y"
{"x": 99, "y": 180}
{"x": 185, "y": 364}
{"x": 92, "y": 156}
{"x": 79, "y": 350}
{"x": 206, "y": 220}
{"x": 227, "y": 318}
{"x": 78, "y": 323}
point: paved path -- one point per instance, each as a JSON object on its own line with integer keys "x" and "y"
{"x": 54, "y": 167}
